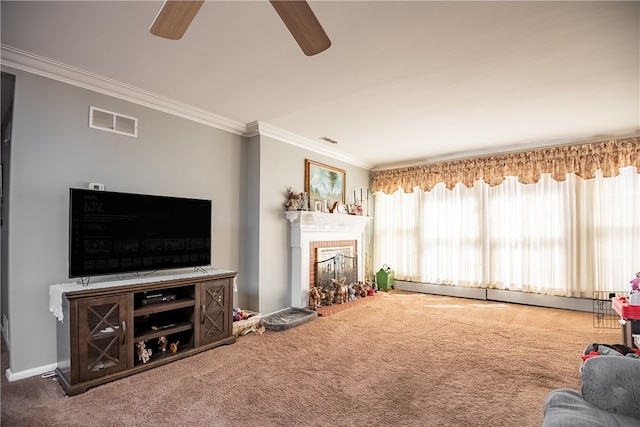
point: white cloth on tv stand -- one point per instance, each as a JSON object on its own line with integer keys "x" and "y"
{"x": 58, "y": 290}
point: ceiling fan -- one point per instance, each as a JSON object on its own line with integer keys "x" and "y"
{"x": 176, "y": 15}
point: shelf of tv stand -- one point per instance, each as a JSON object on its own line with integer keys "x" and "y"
{"x": 163, "y": 306}
{"x": 162, "y": 357}
{"x": 202, "y": 314}
{"x": 150, "y": 334}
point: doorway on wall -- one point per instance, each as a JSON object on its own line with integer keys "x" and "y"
{"x": 7, "y": 91}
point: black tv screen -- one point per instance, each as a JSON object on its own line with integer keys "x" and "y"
{"x": 111, "y": 233}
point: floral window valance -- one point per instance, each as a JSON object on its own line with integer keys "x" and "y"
{"x": 583, "y": 160}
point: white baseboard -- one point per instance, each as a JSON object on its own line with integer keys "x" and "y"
{"x": 516, "y": 297}
{"x": 15, "y": 376}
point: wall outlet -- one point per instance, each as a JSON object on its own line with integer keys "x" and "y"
{"x": 96, "y": 186}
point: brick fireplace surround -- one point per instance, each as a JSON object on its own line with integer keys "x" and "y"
{"x": 317, "y": 229}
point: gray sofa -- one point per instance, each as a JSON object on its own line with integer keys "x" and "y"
{"x": 610, "y": 395}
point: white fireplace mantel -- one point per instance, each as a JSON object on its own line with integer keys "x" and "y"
{"x": 307, "y": 227}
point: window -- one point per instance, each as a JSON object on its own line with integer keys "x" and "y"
{"x": 566, "y": 238}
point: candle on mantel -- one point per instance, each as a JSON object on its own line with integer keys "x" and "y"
{"x": 360, "y": 194}
{"x": 354, "y": 196}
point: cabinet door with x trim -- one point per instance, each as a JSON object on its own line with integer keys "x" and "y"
{"x": 215, "y": 311}
{"x": 102, "y": 336}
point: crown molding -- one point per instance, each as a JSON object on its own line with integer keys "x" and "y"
{"x": 45, "y": 67}
{"x": 54, "y": 70}
{"x": 260, "y": 128}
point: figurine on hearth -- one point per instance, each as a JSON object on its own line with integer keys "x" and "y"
{"x": 315, "y": 298}
{"x": 362, "y": 290}
{"x": 329, "y": 295}
{"x": 342, "y": 291}
{"x": 352, "y": 291}
{"x": 144, "y": 354}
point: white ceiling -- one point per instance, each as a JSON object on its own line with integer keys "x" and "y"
{"x": 403, "y": 82}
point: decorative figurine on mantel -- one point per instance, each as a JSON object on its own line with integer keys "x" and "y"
{"x": 304, "y": 203}
{"x": 296, "y": 201}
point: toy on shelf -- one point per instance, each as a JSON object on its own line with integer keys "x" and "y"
{"x": 144, "y": 354}
{"x": 162, "y": 343}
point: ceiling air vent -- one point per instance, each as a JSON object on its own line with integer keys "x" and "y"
{"x": 112, "y": 122}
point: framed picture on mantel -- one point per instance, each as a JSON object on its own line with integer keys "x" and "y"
{"x": 323, "y": 182}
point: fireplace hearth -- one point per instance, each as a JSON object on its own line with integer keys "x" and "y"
{"x": 318, "y": 229}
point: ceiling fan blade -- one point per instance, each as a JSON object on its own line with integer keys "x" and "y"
{"x": 174, "y": 18}
{"x": 303, "y": 25}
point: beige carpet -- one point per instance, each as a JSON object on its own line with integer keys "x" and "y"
{"x": 401, "y": 359}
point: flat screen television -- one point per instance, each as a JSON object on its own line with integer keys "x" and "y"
{"x": 112, "y": 233}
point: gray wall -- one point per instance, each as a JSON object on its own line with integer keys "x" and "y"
{"x": 281, "y": 166}
{"x": 5, "y": 154}
{"x": 53, "y": 149}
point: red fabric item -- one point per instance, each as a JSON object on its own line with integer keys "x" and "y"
{"x": 590, "y": 355}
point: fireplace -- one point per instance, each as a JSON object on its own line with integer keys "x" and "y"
{"x": 312, "y": 230}
{"x": 333, "y": 262}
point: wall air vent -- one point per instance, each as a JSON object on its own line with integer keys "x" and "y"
{"x": 112, "y": 122}
{"x": 326, "y": 138}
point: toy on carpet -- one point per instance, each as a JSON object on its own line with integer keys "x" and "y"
{"x": 259, "y": 330}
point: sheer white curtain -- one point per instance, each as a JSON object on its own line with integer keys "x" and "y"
{"x": 529, "y": 244}
{"x": 398, "y": 234}
{"x": 452, "y": 231}
{"x": 567, "y": 238}
{"x": 611, "y": 231}
{"x": 430, "y": 236}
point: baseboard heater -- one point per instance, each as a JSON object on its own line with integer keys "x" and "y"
{"x": 499, "y": 295}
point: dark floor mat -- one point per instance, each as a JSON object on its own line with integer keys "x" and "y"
{"x": 287, "y": 318}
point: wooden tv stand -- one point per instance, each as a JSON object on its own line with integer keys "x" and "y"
{"x": 102, "y": 325}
